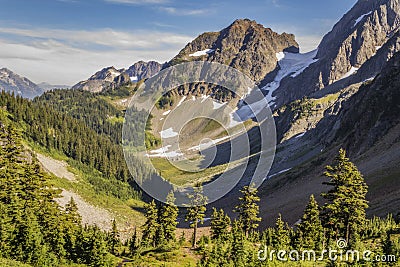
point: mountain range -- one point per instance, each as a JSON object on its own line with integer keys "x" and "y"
{"x": 343, "y": 94}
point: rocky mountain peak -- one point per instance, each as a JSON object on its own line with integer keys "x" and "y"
{"x": 245, "y": 45}
{"x": 110, "y": 77}
{"x": 12, "y": 82}
{"x": 354, "y": 50}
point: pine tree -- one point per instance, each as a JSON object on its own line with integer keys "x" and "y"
{"x": 220, "y": 223}
{"x": 310, "y": 228}
{"x": 281, "y": 239}
{"x": 248, "y": 209}
{"x": 344, "y": 214}
{"x": 133, "y": 243}
{"x": 238, "y": 251}
{"x": 168, "y": 219}
{"x": 151, "y": 225}
{"x": 113, "y": 239}
{"x": 196, "y": 211}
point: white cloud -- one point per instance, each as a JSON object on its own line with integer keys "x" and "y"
{"x": 137, "y": 2}
{"x": 66, "y": 56}
{"x": 308, "y": 42}
{"x": 183, "y": 12}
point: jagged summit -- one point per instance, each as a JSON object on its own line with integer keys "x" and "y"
{"x": 245, "y": 45}
{"x": 112, "y": 77}
{"x": 354, "y": 41}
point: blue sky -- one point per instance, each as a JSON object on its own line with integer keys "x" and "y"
{"x": 65, "y": 41}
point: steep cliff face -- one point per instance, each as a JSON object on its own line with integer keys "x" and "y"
{"x": 12, "y": 82}
{"x": 367, "y": 34}
{"x": 373, "y": 111}
{"x": 244, "y": 45}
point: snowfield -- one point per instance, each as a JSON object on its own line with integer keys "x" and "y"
{"x": 201, "y": 53}
{"x": 163, "y": 153}
{"x": 290, "y": 64}
{"x": 349, "y": 73}
{"x": 168, "y": 133}
{"x": 361, "y": 18}
{"x": 166, "y": 112}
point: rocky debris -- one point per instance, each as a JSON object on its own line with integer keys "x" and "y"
{"x": 12, "y": 82}
{"x": 56, "y": 167}
{"x": 90, "y": 214}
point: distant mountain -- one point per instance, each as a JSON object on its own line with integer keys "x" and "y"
{"x": 245, "y": 45}
{"x": 110, "y": 77}
{"x": 12, "y": 82}
{"x": 143, "y": 70}
{"x": 46, "y": 86}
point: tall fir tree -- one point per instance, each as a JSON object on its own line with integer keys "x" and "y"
{"x": 196, "y": 211}
{"x": 167, "y": 219}
{"x": 310, "y": 229}
{"x": 151, "y": 225}
{"x": 248, "y": 209}
{"x": 220, "y": 223}
{"x": 344, "y": 213}
{"x": 281, "y": 237}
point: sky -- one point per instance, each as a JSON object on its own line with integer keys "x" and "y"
{"x": 65, "y": 41}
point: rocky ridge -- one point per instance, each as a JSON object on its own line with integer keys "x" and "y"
{"x": 12, "y": 82}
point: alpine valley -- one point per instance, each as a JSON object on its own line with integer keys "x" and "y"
{"x": 336, "y": 106}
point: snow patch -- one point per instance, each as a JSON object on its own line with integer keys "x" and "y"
{"x": 166, "y": 112}
{"x": 290, "y": 64}
{"x": 168, "y": 133}
{"x": 277, "y": 173}
{"x": 280, "y": 56}
{"x": 163, "y": 153}
{"x": 300, "y": 135}
{"x": 204, "y": 98}
{"x": 211, "y": 143}
{"x": 349, "y": 73}
{"x": 201, "y": 53}
{"x": 193, "y": 98}
{"x": 181, "y": 101}
{"x": 218, "y": 105}
{"x": 361, "y": 18}
{"x": 134, "y": 79}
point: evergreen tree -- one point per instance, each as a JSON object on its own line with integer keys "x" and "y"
{"x": 344, "y": 213}
{"x": 113, "y": 239}
{"x": 196, "y": 211}
{"x": 168, "y": 219}
{"x": 310, "y": 229}
{"x": 133, "y": 243}
{"x": 281, "y": 239}
{"x": 238, "y": 250}
{"x": 220, "y": 223}
{"x": 151, "y": 225}
{"x": 248, "y": 209}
